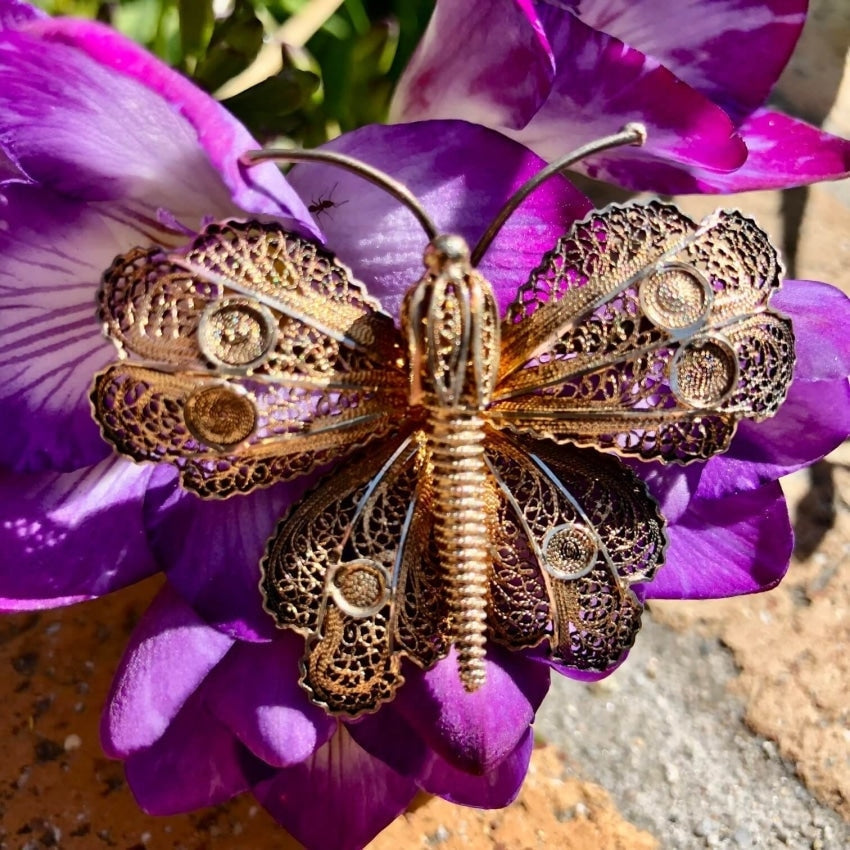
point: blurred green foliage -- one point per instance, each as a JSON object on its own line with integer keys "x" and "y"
{"x": 340, "y": 78}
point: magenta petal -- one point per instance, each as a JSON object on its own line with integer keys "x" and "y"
{"x": 474, "y": 732}
{"x": 494, "y": 789}
{"x": 67, "y": 537}
{"x": 372, "y": 233}
{"x": 254, "y": 691}
{"x": 197, "y": 762}
{"x": 170, "y": 653}
{"x": 508, "y": 92}
{"x": 15, "y": 13}
{"x": 784, "y": 152}
{"x": 725, "y": 547}
{"x": 813, "y": 420}
{"x": 820, "y": 315}
{"x": 732, "y": 51}
{"x": 82, "y": 65}
{"x": 340, "y": 798}
{"x": 212, "y": 550}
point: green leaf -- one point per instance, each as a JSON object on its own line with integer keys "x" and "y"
{"x": 276, "y": 106}
{"x": 196, "y": 24}
{"x": 234, "y": 43}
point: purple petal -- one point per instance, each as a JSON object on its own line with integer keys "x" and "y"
{"x": 170, "y": 653}
{"x": 53, "y": 252}
{"x": 474, "y": 732}
{"x": 814, "y": 419}
{"x": 602, "y": 84}
{"x": 510, "y": 91}
{"x": 820, "y": 314}
{"x": 732, "y": 51}
{"x": 725, "y": 547}
{"x": 379, "y": 239}
{"x": 15, "y": 13}
{"x": 494, "y": 789}
{"x": 68, "y": 537}
{"x": 341, "y": 797}
{"x": 254, "y": 691}
{"x": 68, "y": 87}
{"x": 212, "y": 550}
{"x": 197, "y": 762}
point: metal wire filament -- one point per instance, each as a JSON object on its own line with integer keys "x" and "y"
{"x": 631, "y": 134}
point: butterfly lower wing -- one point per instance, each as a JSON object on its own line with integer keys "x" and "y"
{"x": 575, "y": 529}
{"x": 656, "y": 341}
{"x": 349, "y": 568}
{"x": 248, "y": 359}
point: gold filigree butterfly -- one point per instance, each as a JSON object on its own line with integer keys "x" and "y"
{"x": 490, "y": 503}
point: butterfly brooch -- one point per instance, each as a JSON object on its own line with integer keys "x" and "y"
{"x": 489, "y": 501}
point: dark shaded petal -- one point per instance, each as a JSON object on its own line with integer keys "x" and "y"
{"x": 725, "y": 547}
{"x": 732, "y": 51}
{"x": 390, "y": 737}
{"x": 68, "y": 537}
{"x": 494, "y": 789}
{"x": 211, "y": 550}
{"x": 88, "y": 112}
{"x": 462, "y": 174}
{"x": 170, "y": 653}
{"x": 254, "y": 691}
{"x": 197, "y": 762}
{"x": 341, "y": 797}
{"x": 474, "y": 732}
{"x": 511, "y": 90}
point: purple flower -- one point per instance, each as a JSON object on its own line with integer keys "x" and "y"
{"x": 557, "y": 75}
{"x": 103, "y": 149}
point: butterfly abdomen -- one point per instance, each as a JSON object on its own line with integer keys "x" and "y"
{"x": 451, "y": 323}
{"x": 455, "y": 442}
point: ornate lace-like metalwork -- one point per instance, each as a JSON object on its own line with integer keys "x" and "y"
{"x": 489, "y": 504}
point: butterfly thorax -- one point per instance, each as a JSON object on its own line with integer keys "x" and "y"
{"x": 451, "y": 326}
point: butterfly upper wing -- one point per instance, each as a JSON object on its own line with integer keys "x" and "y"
{"x": 647, "y": 334}
{"x": 249, "y": 358}
{"x": 575, "y": 528}
{"x": 353, "y": 568}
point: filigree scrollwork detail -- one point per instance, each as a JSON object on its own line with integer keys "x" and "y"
{"x": 490, "y": 503}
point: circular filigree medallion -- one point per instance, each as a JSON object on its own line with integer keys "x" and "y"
{"x": 220, "y": 416}
{"x": 569, "y": 551}
{"x": 360, "y": 588}
{"x": 705, "y": 372}
{"x": 676, "y": 297}
{"x": 237, "y": 334}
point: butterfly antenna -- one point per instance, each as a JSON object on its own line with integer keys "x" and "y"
{"x": 631, "y": 134}
{"x": 373, "y": 175}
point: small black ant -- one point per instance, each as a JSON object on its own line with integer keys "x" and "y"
{"x": 324, "y": 203}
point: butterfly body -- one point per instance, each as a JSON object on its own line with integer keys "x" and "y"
{"x": 489, "y": 504}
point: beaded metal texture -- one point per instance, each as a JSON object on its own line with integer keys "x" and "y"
{"x": 491, "y": 503}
